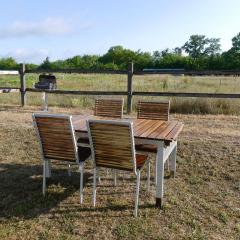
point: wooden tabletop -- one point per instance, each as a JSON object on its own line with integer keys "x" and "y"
{"x": 142, "y": 128}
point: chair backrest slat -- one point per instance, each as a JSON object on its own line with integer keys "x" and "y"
{"x": 109, "y": 107}
{"x": 56, "y": 136}
{"x": 112, "y": 144}
{"x": 153, "y": 110}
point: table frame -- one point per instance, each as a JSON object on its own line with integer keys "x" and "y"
{"x": 165, "y": 150}
{"x": 163, "y": 153}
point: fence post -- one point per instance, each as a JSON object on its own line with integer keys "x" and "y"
{"x": 129, "y": 97}
{"x": 45, "y": 101}
{"x": 23, "y": 84}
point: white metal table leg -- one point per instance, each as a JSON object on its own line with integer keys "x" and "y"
{"x": 160, "y": 174}
{"x": 166, "y": 165}
{"x": 148, "y": 175}
{"x": 173, "y": 163}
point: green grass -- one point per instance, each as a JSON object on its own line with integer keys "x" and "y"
{"x": 108, "y": 82}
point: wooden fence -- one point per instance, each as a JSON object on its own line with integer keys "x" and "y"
{"x": 129, "y": 91}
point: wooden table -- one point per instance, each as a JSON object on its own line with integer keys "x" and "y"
{"x": 160, "y": 133}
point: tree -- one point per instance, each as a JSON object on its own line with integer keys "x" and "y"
{"x": 46, "y": 64}
{"x": 119, "y": 56}
{"x": 195, "y": 46}
{"x": 8, "y": 64}
{"x": 165, "y": 52}
{"x": 177, "y": 51}
{"x": 200, "y": 46}
{"x": 214, "y": 47}
{"x": 236, "y": 43}
{"x": 232, "y": 56}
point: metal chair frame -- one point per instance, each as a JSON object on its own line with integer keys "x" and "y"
{"x": 149, "y": 117}
{"x": 47, "y": 162}
{"x": 136, "y": 171}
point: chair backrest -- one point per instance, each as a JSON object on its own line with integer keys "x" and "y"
{"x": 56, "y": 135}
{"x": 112, "y": 144}
{"x": 109, "y": 107}
{"x": 153, "y": 110}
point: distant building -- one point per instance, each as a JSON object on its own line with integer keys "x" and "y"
{"x": 171, "y": 71}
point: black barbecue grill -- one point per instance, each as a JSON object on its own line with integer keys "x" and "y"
{"x": 46, "y": 81}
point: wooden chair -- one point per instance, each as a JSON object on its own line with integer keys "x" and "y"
{"x": 105, "y": 107}
{"x": 112, "y": 144}
{"x": 152, "y": 110}
{"x": 109, "y": 107}
{"x": 58, "y": 142}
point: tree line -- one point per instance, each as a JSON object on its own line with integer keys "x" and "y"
{"x": 198, "y": 53}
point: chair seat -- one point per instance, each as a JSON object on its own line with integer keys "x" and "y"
{"x": 83, "y": 140}
{"x": 140, "y": 160}
{"x": 146, "y": 148}
{"x": 83, "y": 153}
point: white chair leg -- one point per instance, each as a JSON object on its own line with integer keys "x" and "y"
{"x": 115, "y": 177}
{"x": 94, "y": 187}
{"x": 156, "y": 170}
{"x": 81, "y": 170}
{"x": 48, "y": 168}
{"x": 98, "y": 176}
{"x": 148, "y": 175}
{"x": 137, "y": 194}
{"x": 123, "y": 175}
{"x": 69, "y": 170}
{"x": 44, "y": 178}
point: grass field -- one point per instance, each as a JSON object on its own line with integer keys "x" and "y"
{"x": 202, "y": 202}
{"x": 107, "y": 82}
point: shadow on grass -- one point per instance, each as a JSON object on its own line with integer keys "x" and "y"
{"x": 21, "y": 190}
{"x": 14, "y": 108}
{"x": 110, "y": 210}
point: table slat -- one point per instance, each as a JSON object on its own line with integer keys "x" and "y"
{"x": 143, "y": 128}
{"x": 167, "y": 130}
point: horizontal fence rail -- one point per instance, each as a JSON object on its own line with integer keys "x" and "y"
{"x": 129, "y": 78}
{"x": 79, "y": 71}
{"x": 75, "y": 92}
{"x": 9, "y": 72}
{"x": 123, "y": 93}
{"x": 191, "y": 73}
{"x": 174, "y": 72}
{"x": 9, "y": 89}
{"x": 183, "y": 94}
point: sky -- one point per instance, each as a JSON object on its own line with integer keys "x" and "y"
{"x": 32, "y": 30}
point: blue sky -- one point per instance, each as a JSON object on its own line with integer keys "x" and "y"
{"x": 32, "y": 30}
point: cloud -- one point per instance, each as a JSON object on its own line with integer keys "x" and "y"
{"x": 48, "y": 27}
{"x": 28, "y": 55}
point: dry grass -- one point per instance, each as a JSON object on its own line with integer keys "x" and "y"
{"x": 202, "y": 202}
{"x": 108, "y": 82}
